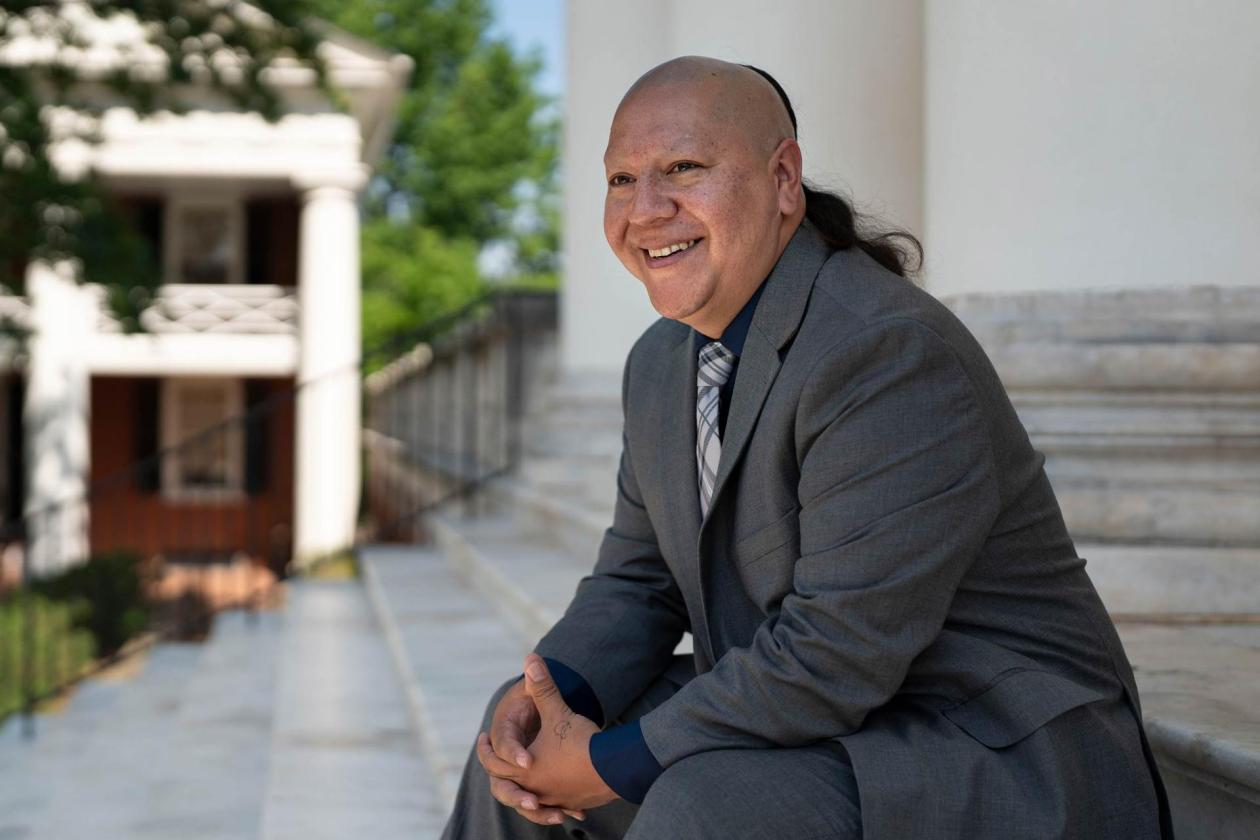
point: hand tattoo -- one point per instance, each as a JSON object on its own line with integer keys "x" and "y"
{"x": 562, "y": 728}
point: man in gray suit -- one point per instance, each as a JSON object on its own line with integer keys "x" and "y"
{"x": 824, "y": 481}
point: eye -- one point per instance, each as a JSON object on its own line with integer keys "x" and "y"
{"x": 685, "y": 163}
{"x": 617, "y": 180}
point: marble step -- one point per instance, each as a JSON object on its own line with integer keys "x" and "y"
{"x": 558, "y": 521}
{"x": 586, "y": 442}
{"x": 574, "y": 392}
{"x": 589, "y": 483}
{"x": 216, "y": 766}
{"x": 1156, "y": 580}
{"x": 1200, "y": 690}
{"x": 1199, "y": 682}
{"x": 95, "y": 765}
{"x": 344, "y": 757}
{"x": 529, "y": 579}
{"x": 528, "y": 575}
{"x": 64, "y": 724}
{"x": 449, "y": 645}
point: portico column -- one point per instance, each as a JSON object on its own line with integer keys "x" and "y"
{"x": 55, "y": 419}
{"x": 326, "y": 463}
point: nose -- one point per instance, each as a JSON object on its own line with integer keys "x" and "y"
{"x": 650, "y": 203}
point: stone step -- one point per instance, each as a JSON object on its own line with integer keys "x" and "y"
{"x": 64, "y": 724}
{"x": 182, "y": 750}
{"x": 449, "y": 646}
{"x": 216, "y": 766}
{"x": 527, "y": 578}
{"x": 584, "y": 442}
{"x": 1156, "y": 580}
{"x": 1200, "y": 690}
{"x": 97, "y": 766}
{"x": 344, "y": 758}
{"x": 576, "y": 392}
{"x": 528, "y": 573}
{"x": 552, "y": 520}
{"x": 589, "y": 483}
{"x": 1199, "y": 685}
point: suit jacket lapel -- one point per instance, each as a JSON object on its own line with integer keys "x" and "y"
{"x": 679, "y": 441}
{"x": 775, "y": 322}
{"x": 680, "y": 484}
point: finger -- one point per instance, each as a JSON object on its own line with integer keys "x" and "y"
{"x": 577, "y": 815}
{"x": 493, "y": 764}
{"x": 507, "y": 741}
{"x": 523, "y": 802}
{"x": 540, "y": 685}
{"x": 548, "y": 816}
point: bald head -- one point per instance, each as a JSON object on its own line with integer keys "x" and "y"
{"x": 704, "y": 187}
{"x": 734, "y": 97}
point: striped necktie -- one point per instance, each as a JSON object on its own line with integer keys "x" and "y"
{"x": 715, "y": 366}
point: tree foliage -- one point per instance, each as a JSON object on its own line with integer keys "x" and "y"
{"x": 472, "y": 163}
{"x": 52, "y": 215}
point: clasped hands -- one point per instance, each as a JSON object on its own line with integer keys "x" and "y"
{"x": 537, "y": 752}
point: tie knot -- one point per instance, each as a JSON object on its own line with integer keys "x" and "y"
{"x": 715, "y": 366}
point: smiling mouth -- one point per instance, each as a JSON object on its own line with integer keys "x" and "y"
{"x": 670, "y": 252}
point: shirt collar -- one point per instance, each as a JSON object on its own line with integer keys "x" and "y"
{"x": 736, "y": 331}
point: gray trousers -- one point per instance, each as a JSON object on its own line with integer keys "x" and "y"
{"x": 807, "y": 792}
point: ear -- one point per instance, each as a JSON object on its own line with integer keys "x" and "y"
{"x": 786, "y": 168}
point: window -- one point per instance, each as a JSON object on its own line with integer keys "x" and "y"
{"x": 206, "y": 241}
{"x": 204, "y": 460}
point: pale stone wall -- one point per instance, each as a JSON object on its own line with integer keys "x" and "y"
{"x": 1091, "y": 145}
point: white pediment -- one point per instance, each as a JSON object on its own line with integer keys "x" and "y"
{"x": 214, "y": 139}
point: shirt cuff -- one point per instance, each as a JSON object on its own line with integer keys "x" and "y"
{"x": 622, "y": 759}
{"x": 575, "y": 690}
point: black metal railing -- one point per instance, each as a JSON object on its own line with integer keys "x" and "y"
{"x": 120, "y": 567}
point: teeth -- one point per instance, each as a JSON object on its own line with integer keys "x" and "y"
{"x": 677, "y": 246}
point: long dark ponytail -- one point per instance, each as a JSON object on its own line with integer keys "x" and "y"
{"x": 842, "y": 227}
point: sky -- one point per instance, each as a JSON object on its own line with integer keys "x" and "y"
{"x": 536, "y": 23}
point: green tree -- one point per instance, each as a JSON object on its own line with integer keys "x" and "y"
{"x": 473, "y": 162}
{"x": 45, "y": 214}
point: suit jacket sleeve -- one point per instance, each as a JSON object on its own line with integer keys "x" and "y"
{"x": 897, "y": 493}
{"x": 620, "y": 630}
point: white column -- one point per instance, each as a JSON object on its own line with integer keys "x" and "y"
{"x": 1091, "y": 145}
{"x": 853, "y": 70}
{"x": 55, "y": 418}
{"x": 326, "y": 463}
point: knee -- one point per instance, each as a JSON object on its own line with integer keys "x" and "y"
{"x": 675, "y": 805}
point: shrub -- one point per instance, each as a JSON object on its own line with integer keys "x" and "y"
{"x": 57, "y": 650}
{"x": 106, "y": 598}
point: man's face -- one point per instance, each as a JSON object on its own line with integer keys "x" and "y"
{"x": 677, "y": 174}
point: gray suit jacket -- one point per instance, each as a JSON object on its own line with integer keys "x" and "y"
{"x": 884, "y": 563}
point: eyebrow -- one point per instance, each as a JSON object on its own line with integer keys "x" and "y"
{"x": 681, "y": 148}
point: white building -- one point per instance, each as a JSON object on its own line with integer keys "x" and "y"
{"x": 257, "y": 229}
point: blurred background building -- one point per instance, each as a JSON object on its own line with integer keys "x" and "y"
{"x": 255, "y": 229}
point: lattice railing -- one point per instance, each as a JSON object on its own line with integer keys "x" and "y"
{"x": 207, "y": 308}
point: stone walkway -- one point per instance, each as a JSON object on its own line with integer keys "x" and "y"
{"x": 345, "y": 762}
{"x": 293, "y": 725}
